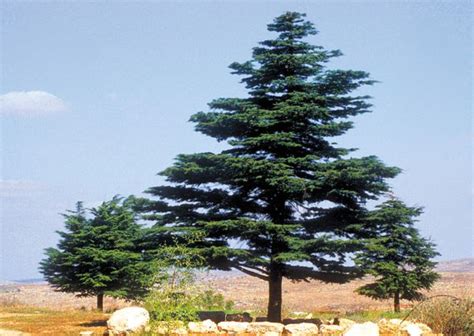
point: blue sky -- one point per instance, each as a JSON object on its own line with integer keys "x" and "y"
{"x": 96, "y": 97}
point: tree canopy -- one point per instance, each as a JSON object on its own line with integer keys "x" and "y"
{"x": 283, "y": 200}
{"x": 399, "y": 258}
{"x": 100, "y": 254}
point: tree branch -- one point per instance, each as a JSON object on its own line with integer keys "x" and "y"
{"x": 251, "y": 273}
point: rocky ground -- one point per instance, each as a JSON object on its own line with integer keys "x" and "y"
{"x": 251, "y": 293}
{"x": 38, "y": 309}
{"x": 247, "y": 293}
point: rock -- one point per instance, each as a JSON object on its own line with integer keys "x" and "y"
{"x": 265, "y": 328}
{"x": 271, "y": 333}
{"x": 86, "y": 333}
{"x": 175, "y": 328}
{"x": 343, "y": 322}
{"x": 417, "y": 329}
{"x": 233, "y": 327}
{"x": 413, "y": 330}
{"x": 330, "y": 330}
{"x": 362, "y": 329}
{"x": 244, "y": 317}
{"x": 214, "y": 316}
{"x": 301, "y": 329}
{"x": 424, "y": 327}
{"x": 403, "y": 328}
{"x": 126, "y": 320}
{"x": 388, "y": 327}
{"x": 302, "y": 320}
{"x": 204, "y": 327}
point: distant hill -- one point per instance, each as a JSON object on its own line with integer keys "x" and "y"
{"x": 34, "y": 281}
{"x": 465, "y": 265}
{"x": 456, "y": 266}
{"x": 30, "y": 281}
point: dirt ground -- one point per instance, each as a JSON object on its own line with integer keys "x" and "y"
{"x": 25, "y": 321}
{"x": 39, "y": 310}
{"x": 248, "y": 294}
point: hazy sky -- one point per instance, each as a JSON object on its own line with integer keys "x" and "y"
{"x": 96, "y": 97}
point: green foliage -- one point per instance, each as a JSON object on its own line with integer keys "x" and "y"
{"x": 100, "y": 254}
{"x": 172, "y": 302}
{"x": 176, "y": 295}
{"x": 396, "y": 254}
{"x": 283, "y": 192}
{"x": 210, "y": 300}
{"x": 171, "y": 298}
{"x": 448, "y": 316}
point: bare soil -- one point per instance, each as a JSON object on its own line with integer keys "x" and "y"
{"x": 248, "y": 294}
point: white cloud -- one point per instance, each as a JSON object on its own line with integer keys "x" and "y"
{"x": 30, "y": 103}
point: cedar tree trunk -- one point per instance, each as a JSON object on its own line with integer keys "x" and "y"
{"x": 396, "y": 302}
{"x": 274, "y": 294}
{"x": 100, "y": 302}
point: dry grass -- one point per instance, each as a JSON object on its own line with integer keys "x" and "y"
{"x": 446, "y": 315}
{"x": 39, "y": 310}
{"x": 44, "y": 296}
{"x": 251, "y": 293}
{"x": 48, "y": 322}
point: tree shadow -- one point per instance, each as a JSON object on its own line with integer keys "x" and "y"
{"x": 94, "y": 323}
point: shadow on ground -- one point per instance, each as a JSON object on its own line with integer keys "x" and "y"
{"x": 94, "y": 323}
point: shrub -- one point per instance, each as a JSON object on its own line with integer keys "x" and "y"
{"x": 210, "y": 300}
{"x": 180, "y": 299}
{"x": 173, "y": 297}
{"x": 449, "y": 316}
{"x": 176, "y": 298}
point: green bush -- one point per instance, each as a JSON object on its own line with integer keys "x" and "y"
{"x": 210, "y": 300}
{"x": 172, "y": 303}
{"x": 180, "y": 299}
{"x": 449, "y": 316}
{"x": 176, "y": 297}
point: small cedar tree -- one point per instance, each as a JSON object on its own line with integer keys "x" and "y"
{"x": 100, "y": 255}
{"x": 397, "y": 255}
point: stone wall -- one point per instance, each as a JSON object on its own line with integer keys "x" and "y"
{"x": 135, "y": 319}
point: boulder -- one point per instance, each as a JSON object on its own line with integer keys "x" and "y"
{"x": 343, "y": 322}
{"x": 362, "y": 329}
{"x": 413, "y": 330}
{"x": 417, "y": 329}
{"x": 127, "y": 320}
{"x": 403, "y": 328}
{"x": 8, "y": 332}
{"x": 302, "y": 320}
{"x": 424, "y": 327}
{"x": 301, "y": 329}
{"x": 265, "y": 328}
{"x": 175, "y": 328}
{"x": 214, "y": 316}
{"x": 86, "y": 333}
{"x": 204, "y": 327}
{"x": 388, "y": 327}
{"x": 243, "y": 317}
{"x": 233, "y": 327}
{"x": 330, "y": 330}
